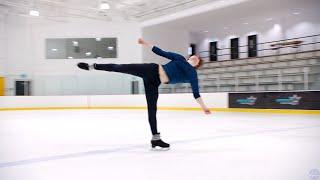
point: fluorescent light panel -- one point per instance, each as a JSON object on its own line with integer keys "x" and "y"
{"x": 104, "y": 6}
{"x": 34, "y": 13}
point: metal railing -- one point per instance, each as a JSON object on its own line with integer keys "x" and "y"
{"x": 262, "y": 50}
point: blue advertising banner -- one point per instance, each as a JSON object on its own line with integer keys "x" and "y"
{"x": 276, "y": 100}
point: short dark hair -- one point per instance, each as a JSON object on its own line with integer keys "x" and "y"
{"x": 200, "y": 62}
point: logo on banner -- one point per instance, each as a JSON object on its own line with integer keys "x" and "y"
{"x": 293, "y": 100}
{"x": 314, "y": 174}
{"x": 248, "y": 101}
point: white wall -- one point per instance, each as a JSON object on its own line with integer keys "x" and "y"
{"x": 23, "y": 42}
{"x": 224, "y": 23}
{"x": 167, "y": 39}
{"x": 266, "y": 31}
{"x": 3, "y": 44}
{"x": 26, "y": 55}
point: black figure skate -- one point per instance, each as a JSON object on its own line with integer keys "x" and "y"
{"x": 158, "y": 144}
{"x": 85, "y": 66}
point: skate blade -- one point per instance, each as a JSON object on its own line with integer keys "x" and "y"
{"x": 160, "y": 149}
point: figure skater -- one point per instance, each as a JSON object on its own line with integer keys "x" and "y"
{"x": 178, "y": 70}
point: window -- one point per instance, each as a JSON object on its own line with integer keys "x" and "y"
{"x": 192, "y": 50}
{"x": 252, "y": 46}
{"x": 81, "y": 48}
{"x": 213, "y": 51}
{"x": 234, "y": 50}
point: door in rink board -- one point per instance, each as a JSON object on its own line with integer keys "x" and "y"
{"x": 1, "y": 86}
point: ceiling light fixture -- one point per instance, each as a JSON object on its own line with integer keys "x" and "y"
{"x": 104, "y": 6}
{"x": 34, "y": 13}
{"x": 75, "y": 43}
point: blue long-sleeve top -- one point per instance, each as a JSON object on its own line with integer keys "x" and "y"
{"x": 179, "y": 70}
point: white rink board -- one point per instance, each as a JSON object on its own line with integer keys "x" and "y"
{"x": 216, "y": 100}
{"x": 42, "y": 101}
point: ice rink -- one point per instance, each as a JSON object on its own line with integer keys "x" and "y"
{"x": 114, "y": 144}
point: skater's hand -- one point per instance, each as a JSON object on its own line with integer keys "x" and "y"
{"x": 144, "y": 43}
{"x": 141, "y": 41}
{"x": 207, "y": 111}
{"x": 203, "y": 106}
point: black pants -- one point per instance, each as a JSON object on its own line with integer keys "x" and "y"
{"x": 149, "y": 72}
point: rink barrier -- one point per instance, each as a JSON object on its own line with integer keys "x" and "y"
{"x": 272, "y": 111}
{"x": 186, "y": 100}
{"x": 178, "y": 102}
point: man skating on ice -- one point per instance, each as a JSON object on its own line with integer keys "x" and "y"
{"x": 178, "y": 70}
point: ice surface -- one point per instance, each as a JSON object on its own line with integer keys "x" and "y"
{"x": 114, "y": 144}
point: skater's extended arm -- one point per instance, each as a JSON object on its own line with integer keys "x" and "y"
{"x": 196, "y": 94}
{"x": 160, "y": 52}
{"x": 203, "y": 106}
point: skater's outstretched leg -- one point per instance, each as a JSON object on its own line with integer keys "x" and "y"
{"x": 141, "y": 70}
{"x": 150, "y": 74}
